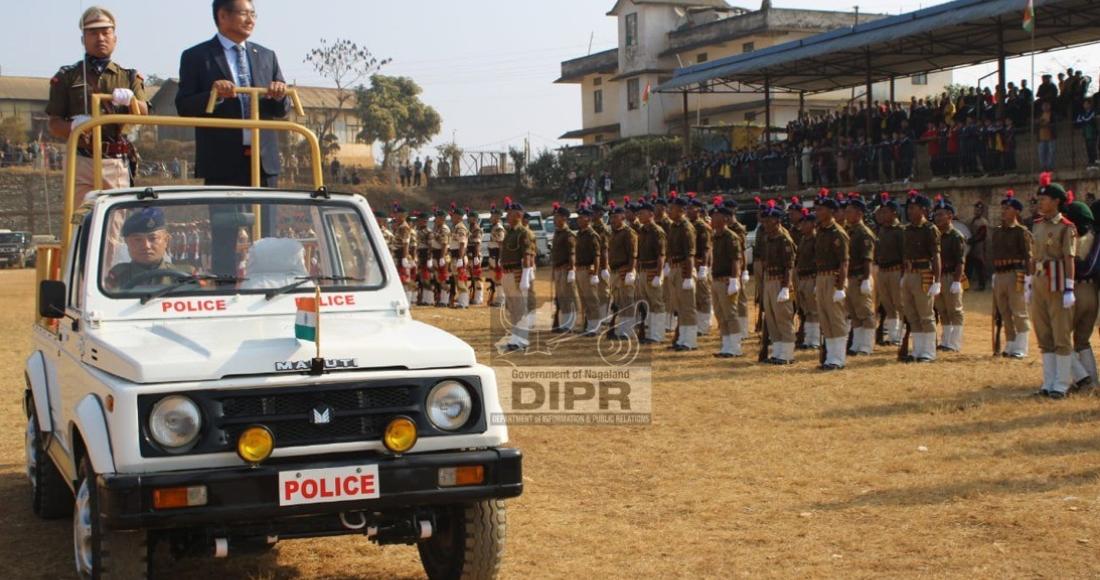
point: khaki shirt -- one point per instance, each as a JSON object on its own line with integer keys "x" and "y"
{"x": 1012, "y": 243}
{"x": 920, "y": 243}
{"x": 403, "y": 240}
{"x": 623, "y": 248}
{"x": 516, "y": 245}
{"x": 496, "y": 235}
{"x": 861, "y": 249}
{"x": 473, "y": 240}
{"x": 440, "y": 237}
{"x": 703, "y": 234}
{"x": 804, "y": 262}
{"x": 888, "y": 249}
{"x": 67, "y": 91}
{"x": 952, "y": 251}
{"x": 830, "y": 247}
{"x": 681, "y": 241}
{"x": 423, "y": 238}
{"x": 727, "y": 248}
{"x": 564, "y": 252}
{"x": 1055, "y": 238}
{"x": 459, "y": 236}
{"x": 651, "y": 246}
{"x": 122, "y": 275}
{"x": 589, "y": 248}
{"x": 779, "y": 254}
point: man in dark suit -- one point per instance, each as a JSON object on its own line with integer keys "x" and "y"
{"x": 227, "y": 61}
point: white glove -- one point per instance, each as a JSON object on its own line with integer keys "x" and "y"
{"x": 526, "y": 278}
{"x": 78, "y": 120}
{"x": 1027, "y": 289}
{"x": 956, "y": 288}
{"x": 460, "y": 262}
{"x": 703, "y": 270}
{"x": 689, "y": 284}
{"x": 733, "y": 287}
{"x": 656, "y": 283}
{"x": 406, "y": 263}
{"x": 865, "y": 287}
{"x": 594, "y": 280}
{"x": 744, "y": 276}
{"x": 934, "y": 289}
{"x": 629, "y": 278}
{"x": 839, "y": 296}
{"x": 571, "y": 277}
{"x": 1068, "y": 299}
{"x": 122, "y": 97}
{"x": 666, "y": 271}
{"x": 784, "y": 295}
{"x": 605, "y": 275}
{"x": 431, "y": 263}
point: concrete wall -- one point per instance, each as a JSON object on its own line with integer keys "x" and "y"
{"x": 24, "y": 198}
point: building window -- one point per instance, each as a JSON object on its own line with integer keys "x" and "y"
{"x": 597, "y": 100}
{"x": 701, "y": 58}
{"x": 597, "y": 81}
{"x": 920, "y": 79}
{"x": 631, "y": 29}
{"x": 750, "y": 116}
{"x": 748, "y": 47}
{"x": 633, "y": 94}
{"x": 599, "y": 138}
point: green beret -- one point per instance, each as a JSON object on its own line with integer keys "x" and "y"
{"x": 1079, "y": 214}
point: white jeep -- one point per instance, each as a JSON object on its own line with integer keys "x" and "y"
{"x": 169, "y": 400}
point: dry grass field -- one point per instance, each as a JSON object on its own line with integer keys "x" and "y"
{"x": 883, "y": 470}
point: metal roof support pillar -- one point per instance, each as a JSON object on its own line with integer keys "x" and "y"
{"x": 801, "y": 104}
{"x": 1002, "y": 73}
{"x": 767, "y": 109}
{"x": 870, "y": 96}
{"x": 687, "y": 126}
{"x": 892, "y": 100}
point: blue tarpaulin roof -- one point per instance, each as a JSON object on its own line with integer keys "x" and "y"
{"x": 949, "y": 35}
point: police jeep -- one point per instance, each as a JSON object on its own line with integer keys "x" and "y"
{"x": 263, "y": 383}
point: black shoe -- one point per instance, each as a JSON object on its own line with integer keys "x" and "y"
{"x": 559, "y": 331}
{"x": 779, "y": 361}
{"x": 648, "y": 341}
{"x": 590, "y": 334}
{"x": 722, "y": 355}
{"x": 683, "y": 348}
{"x": 1041, "y": 393}
{"x": 1057, "y": 396}
{"x": 925, "y": 359}
{"x": 907, "y": 359}
{"x": 512, "y": 348}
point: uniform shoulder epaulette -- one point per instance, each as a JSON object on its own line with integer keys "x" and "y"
{"x": 64, "y": 70}
{"x": 1066, "y": 222}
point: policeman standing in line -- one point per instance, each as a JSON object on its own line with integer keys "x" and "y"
{"x": 953, "y": 258}
{"x": 681, "y": 256}
{"x": 590, "y": 251}
{"x": 697, "y": 215}
{"x": 70, "y": 103}
{"x": 1084, "y": 293}
{"x": 497, "y": 232}
{"x": 473, "y": 257}
{"x": 920, "y": 281}
{"x": 831, "y": 276}
{"x": 403, "y": 246}
{"x": 727, "y": 254}
{"x": 738, "y": 228}
{"x": 603, "y": 292}
{"x": 424, "y": 261}
{"x": 622, "y": 258}
{"x": 456, "y": 267}
{"x": 1012, "y": 274}
{"x": 563, "y": 260}
{"x": 532, "y": 299}
{"x": 440, "y": 240}
{"x": 651, "y": 262}
{"x": 778, "y": 282}
{"x": 660, "y": 217}
{"x": 861, "y": 255}
{"x": 889, "y": 265}
{"x": 1055, "y": 279}
{"x": 806, "y": 298}
{"x": 517, "y": 259}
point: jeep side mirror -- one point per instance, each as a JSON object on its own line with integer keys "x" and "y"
{"x": 51, "y": 299}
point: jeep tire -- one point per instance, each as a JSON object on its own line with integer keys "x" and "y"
{"x": 467, "y": 543}
{"x": 103, "y": 554}
{"x": 50, "y": 495}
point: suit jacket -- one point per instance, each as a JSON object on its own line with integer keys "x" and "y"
{"x": 200, "y": 66}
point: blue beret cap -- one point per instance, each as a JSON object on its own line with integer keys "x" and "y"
{"x": 148, "y": 220}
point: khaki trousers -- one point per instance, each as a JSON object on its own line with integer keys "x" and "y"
{"x": 807, "y": 299}
{"x": 888, "y": 292}
{"x": 116, "y": 175}
{"x": 916, "y": 304}
{"x": 622, "y": 296}
{"x": 861, "y": 308}
{"x": 654, "y": 297}
{"x": 1084, "y": 313}
{"x": 514, "y": 301}
{"x": 683, "y": 301}
{"x": 743, "y": 304}
{"x": 589, "y": 295}
{"x": 949, "y": 305}
{"x": 1053, "y": 324}
{"x": 702, "y": 294}
{"x": 1008, "y": 294}
{"x": 725, "y": 307}
{"x": 565, "y": 293}
{"x": 779, "y": 316}
{"x": 833, "y": 315}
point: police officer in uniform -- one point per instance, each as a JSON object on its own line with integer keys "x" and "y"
{"x": 457, "y": 272}
{"x": 831, "y": 276}
{"x": 563, "y": 259}
{"x": 889, "y": 264}
{"x": 532, "y": 300}
{"x": 953, "y": 258}
{"x": 860, "y": 297}
{"x": 517, "y": 260}
{"x": 697, "y": 214}
{"x": 1055, "y": 279}
{"x": 739, "y": 230}
{"x": 778, "y": 281}
{"x": 920, "y": 281}
{"x": 622, "y": 256}
{"x": 440, "y": 240}
{"x": 660, "y": 217}
{"x": 1084, "y": 293}
{"x": 1012, "y": 274}
{"x": 727, "y": 252}
{"x": 70, "y": 103}
{"x": 404, "y": 242}
{"x": 805, "y": 268}
{"x": 603, "y": 292}
{"x": 473, "y": 256}
{"x": 590, "y": 252}
{"x": 497, "y": 232}
{"x": 424, "y": 260}
{"x": 147, "y": 240}
{"x": 681, "y": 256}
{"x": 651, "y": 262}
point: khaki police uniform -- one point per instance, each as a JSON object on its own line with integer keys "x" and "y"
{"x": 622, "y": 255}
{"x": 727, "y": 252}
{"x": 1011, "y": 253}
{"x": 589, "y": 252}
{"x": 681, "y": 255}
{"x": 831, "y": 246}
{"x": 665, "y": 223}
{"x": 743, "y": 296}
{"x": 1055, "y": 240}
{"x": 514, "y": 248}
{"x": 496, "y": 238}
{"x": 888, "y": 278}
{"x": 779, "y": 261}
{"x": 402, "y": 253}
{"x": 440, "y": 240}
{"x": 563, "y": 259}
{"x": 920, "y": 250}
{"x": 950, "y": 306}
{"x": 459, "y": 275}
{"x": 473, "y": 259}
{"x": 806, "y": 297}
{"x": 651, "y": 256}
{"x": 603, "y": 290}
{"x": 423, "y": 256}
{"x": 703, "y": 306}
{"x": 861, "y": 307}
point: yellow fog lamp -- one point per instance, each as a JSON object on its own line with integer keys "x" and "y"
{"x": 255, "y": 444}
{"x": 400, "y": 435}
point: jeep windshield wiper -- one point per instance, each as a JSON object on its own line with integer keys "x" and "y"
{"x": 188, "y": 280}
{"x": 303, "y": 279}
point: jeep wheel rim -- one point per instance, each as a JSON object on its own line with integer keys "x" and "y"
{"x": 82, "y": 530}
{"x": 31, "y": 444}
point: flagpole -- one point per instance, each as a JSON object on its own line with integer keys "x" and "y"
{"x": 317, "y": 336}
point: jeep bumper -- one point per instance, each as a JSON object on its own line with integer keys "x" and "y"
{"x": 244, "y": 495}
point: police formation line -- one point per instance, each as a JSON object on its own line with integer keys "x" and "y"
{"x": 822, "y": 279}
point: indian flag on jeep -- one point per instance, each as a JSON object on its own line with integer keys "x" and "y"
{"x": 305, "y": 323}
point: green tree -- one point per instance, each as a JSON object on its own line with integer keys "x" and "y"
{"x": 392, "y": 114}
{"x": 346, "y": 64}
{"x": 14, "y": 129}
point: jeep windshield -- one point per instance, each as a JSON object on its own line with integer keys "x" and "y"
{"x": 237, "y": 246}
{"x": 9, "y": 238}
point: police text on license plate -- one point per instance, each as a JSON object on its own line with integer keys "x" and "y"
{"x": 327, "y": 485}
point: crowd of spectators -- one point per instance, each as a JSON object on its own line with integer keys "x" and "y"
{"x": 29, "y": 154}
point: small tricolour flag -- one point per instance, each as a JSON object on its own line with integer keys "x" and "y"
{"x": 305, "y": 323}
{"x": 645, "y": 95}
{"x": 1029, "y": 16}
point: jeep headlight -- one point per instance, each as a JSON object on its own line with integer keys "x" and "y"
{"x": 174, "y": 423}
{"x": 449, "y": 405}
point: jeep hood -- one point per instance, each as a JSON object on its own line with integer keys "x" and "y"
{"x": 210, "y": 349}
